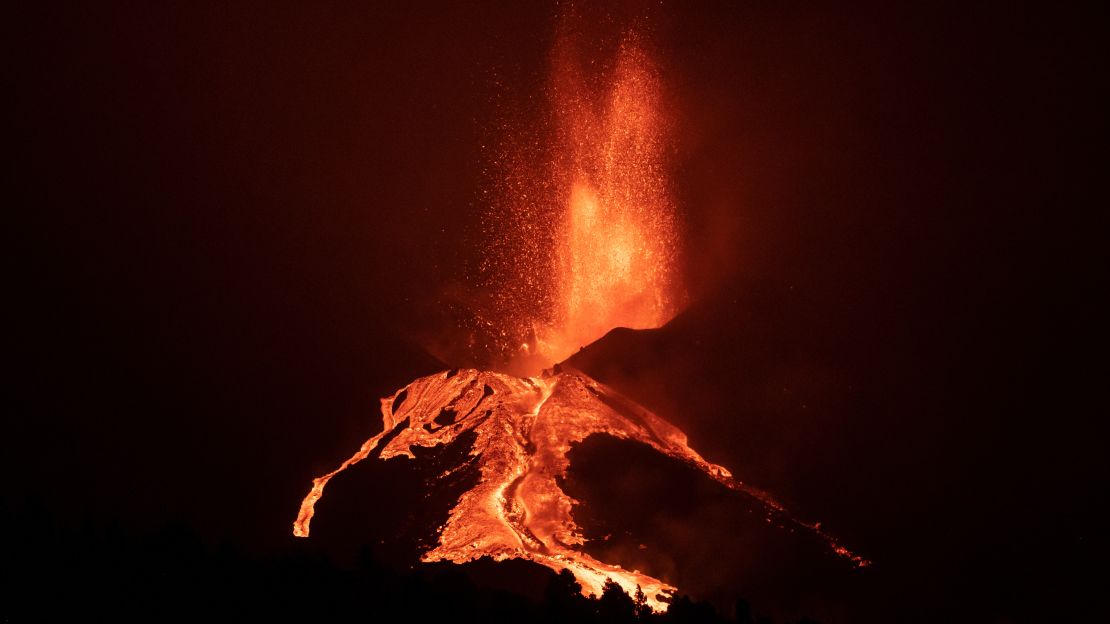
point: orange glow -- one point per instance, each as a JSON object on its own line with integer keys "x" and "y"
{"x": 618, "y": 246}
{"x": 524, "y": 429}
{"x": 585, "y": 235}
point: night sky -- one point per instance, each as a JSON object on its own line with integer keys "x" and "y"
{"x": 235, "y": 226}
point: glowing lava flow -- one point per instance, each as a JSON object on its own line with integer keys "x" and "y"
{"x": 524, "y": 429}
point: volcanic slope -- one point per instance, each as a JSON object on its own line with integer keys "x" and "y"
{"x": 522, "y": 430}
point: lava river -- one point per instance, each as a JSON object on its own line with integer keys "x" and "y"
{"x": 524, "y": 428}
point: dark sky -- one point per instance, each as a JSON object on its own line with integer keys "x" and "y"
{"x": 232, "y": 224}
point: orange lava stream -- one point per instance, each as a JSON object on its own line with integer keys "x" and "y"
{"x": 525, "y": 427}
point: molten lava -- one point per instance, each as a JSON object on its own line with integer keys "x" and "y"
{"x": 525, "y": 427}
{"x": 582, "y": 222}
{"x": 617, "y": 247}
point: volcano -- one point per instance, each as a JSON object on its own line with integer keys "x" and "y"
{"x": 520, "y": 431}
{"x": 581, "y": 237}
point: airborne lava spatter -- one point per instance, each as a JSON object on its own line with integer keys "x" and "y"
{"x": 583, "y": 226}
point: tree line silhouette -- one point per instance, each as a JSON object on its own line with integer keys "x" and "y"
{"x": 171, "y": 575}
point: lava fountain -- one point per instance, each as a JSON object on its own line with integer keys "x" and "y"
{"x": 583, "y": 238}
{"x": 583, "y": 235}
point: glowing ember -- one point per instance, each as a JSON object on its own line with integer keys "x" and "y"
{"x": 617, "y": 246}
{"x": 525, "y": 427}
{"x": 583, "y": 225}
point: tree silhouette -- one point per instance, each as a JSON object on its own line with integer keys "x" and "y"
{"x": 683, "y": 610}
{"x": 643, "y": 609}
{"x": 615, "y": 605}
{"x": 564, "y": 598}
{"x": 106, "y": 573}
